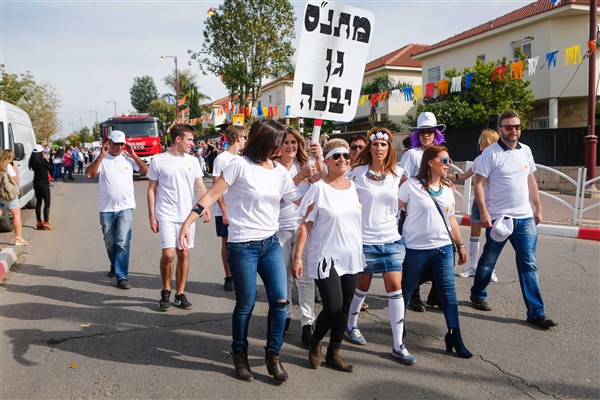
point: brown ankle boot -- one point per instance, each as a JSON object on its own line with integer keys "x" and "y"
{"x": 274, "y": 365}
{"x": 334, "y": 359}
{"x": 242, "y": 368}
{"x": 315, "y": 353}
{"x": 48, "y": 226}
{"x": 40, "y": 226}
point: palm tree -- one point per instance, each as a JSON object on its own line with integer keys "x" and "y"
{"x": 378, "y": 84}
{"x": 188, "y": 87}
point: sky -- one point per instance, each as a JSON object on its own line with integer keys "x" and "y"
{"x": 91, "y": 50}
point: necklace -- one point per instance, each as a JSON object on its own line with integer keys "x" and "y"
{"x": 374, "y": 176}
{"x": 436, "y": 193}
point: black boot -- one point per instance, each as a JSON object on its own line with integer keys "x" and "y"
{"x": 416, "y": 304}
{"x": 242, "y": 368}
{"x": 274, "y": 365}
{"x": 454, "y": 340}
{"x": 307, "y": 331}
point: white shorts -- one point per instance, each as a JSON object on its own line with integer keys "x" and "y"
{"x": 169, "y": 234}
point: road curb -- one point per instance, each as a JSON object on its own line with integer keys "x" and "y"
{"x": 7, "y": 259}
{"x": 552, "y": 230}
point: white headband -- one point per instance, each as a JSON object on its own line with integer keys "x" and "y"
{"x": 336, "y": 151}
{"x": 379, "y": 135}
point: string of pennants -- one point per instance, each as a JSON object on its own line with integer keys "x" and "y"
{"x": 572, "y": 56}
{"x": 234, "y": 109}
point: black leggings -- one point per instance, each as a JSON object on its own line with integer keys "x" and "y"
{"x": 336, "y": 293}
{"x": 42, "y": 192}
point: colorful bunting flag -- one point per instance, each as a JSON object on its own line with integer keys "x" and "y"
{"x": 408, "y": 93}
{"x": 499, "y": 72}
{"x": 532, "y": 65}
{"x": 573, "y": 55}
{"x": 418, "y": 92}
{"x": 551, "y": 59}
{"x": 468, "y": 79}
{"x": 429, "y": 89}
{"x": 516, "y": 70}
{"x": 456, "y": 84}
{"x": 442, "y": 87}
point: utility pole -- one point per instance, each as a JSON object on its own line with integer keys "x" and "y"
{"x": 591, "y": 140}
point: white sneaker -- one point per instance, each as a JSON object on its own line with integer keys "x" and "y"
{"x": 494, "y": 278}
{"x": 467, "y": 272}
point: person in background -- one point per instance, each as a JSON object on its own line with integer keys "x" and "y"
{"x": 331, "y": 231}
{"x": 80, "y": 160}
{"x": 57, "y": 162}
{"x": 236, "y": 137}
{"x": 488, "y": 137}
{"x": 429, "y": 234}
{"x": 256, "y": 186}
{"x": 172, "y": 177}
{"x": 406, "y": 144}
{"x": 67, "y": 166}
{"x": 377, "y": 180}
{"x": 357, "y": 143}
{"x": 8, "y": 167}
{"x": 505, "y": 187}
{"x": 115, "y": 165}
{"x": 41, "y": 167}
{"x": 427, "y": 133}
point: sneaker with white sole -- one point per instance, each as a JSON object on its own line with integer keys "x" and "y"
{"x": 494, "y": 278}
{"x": 467, "y": 272}
{"x": 182, "y": 302}
{"x": 354, "y": 336}
{"x": 404, "y": 356}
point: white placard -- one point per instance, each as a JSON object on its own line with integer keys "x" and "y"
{"x": 333, "y": 50}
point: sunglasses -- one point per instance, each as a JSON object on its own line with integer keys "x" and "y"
{"x": 356, "y": 147}
{"x": 426, "y": 131}
{"x": 337, "y": 156}
{"x": 446, "y": 160}
{"x": 511, "y": 127}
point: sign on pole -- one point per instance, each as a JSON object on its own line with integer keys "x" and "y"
{"x": 333, "y": 50}
{"x": 238, "y": 119}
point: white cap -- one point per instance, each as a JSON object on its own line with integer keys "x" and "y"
{"x": 117, "y": 137}
{"x": 38, "y": 148}
{"x": 502, "y": 229}
{"x": 427, "y": 120}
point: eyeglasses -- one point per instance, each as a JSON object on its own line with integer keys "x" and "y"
{"x": 337, "y": 156}
{"x": 446, "y": 161}
{"x": 356, "y": 147}
{"x": 511, "y": 127}
{"x": 427, "y": 131}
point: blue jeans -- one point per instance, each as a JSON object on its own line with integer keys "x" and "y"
{"x": 441, "y": 264}
{"x": 56, "y": 174}
{"x": 524, "y": 241}
{"x": 116, "y": 228}
{"x": 246, "y": 259}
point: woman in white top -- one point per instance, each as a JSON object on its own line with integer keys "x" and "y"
{"x": 255, "y": 187}
{"x": 294, "y": 158}
{"x": 7, "y": 166}
{"x": 428, "y": 237}
{"x": 377, "y": 180}
{"x": 332, "y": 224}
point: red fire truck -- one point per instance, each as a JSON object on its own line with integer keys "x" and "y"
{"x": 142, "y": 131}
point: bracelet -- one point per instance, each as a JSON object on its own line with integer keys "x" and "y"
{"x": 198, "y": 209}
{"x": 456, "y": 175}
{"x": 460, "y": 245}
{"x": 297, "y": 262}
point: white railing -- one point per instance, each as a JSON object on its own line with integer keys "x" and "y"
{"x": 577, "y": 208}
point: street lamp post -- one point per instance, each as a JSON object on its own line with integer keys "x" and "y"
{"x": 80, "y": 122}
{"x": 163, "y": 58}
{"x": 72, "y": 127}
{"x": 95, "y": 112}
{"x": 115, "y": 103}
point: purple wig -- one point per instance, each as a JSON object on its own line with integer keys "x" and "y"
{"x": 438, "y": 138}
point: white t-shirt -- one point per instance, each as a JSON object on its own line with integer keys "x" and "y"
{"x": 424, "y": 228}
{"x": 115, "y": 183}
{"x": 507, "y": 171}
{"x": 254, "y": 197}
{"x": 411, "y": 161}
{"x": 219, "y": 164}
{"x": 379, "y": 202}
{"x": 176, "y": 177}
{"x": 10, "y": 170}
{"x": 289, "y": 215}
{"x": 335, "y": 238}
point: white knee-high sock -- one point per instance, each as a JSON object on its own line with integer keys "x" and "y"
{"x": 396, "y": 306}
{"x": 357, "y": 302}
{"x": 473, "y": 251}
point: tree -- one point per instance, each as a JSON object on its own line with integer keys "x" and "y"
{"x": 246, "y": 41}
{"x": 39, "y": 100}
{"x": 162, "y": 110}
{"x": 188, "y": 88}
{"x": 85, "y": 136}
{"x": 471, "y": 107}
{"x": 142, "y": 92}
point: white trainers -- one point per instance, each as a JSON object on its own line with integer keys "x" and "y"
{"x": 494, "y": 278}
{"x": 467, "y": 272}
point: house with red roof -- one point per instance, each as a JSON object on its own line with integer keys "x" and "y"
{"x": 539, "y": 29}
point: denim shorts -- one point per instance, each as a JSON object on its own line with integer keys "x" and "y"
{"x": 387, "y": 257}
{"x": 10, "y": 204}
{"x": 475, "y": 217}
{"x": 222, "y": 229}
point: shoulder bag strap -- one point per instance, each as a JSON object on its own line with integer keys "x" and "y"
{"x": 437, "y": 205}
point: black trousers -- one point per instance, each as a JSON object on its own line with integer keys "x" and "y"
{"x": 336, "y": 294}
{"x": 42, "y": 193}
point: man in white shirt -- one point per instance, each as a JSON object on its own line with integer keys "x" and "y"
{"x": 115, "y": 165}
{"x": 236, "y": 140}
{"x": 172, "y": 178}
{"x": 504, "y": 185}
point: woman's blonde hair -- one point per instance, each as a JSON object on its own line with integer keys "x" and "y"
{"x": 488, "y": 137}
{"x": 334, "y": 144}
{"x": 6, "y": 157}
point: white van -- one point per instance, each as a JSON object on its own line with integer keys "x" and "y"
{"x": 16, "y": 133}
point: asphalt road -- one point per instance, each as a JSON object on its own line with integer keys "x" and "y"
{"x": 68, "y": 332}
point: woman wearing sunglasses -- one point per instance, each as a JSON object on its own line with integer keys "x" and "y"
{"x": 429, "y": 232}
{"x": 377, "y": 180}
{"x": 331, "y": 230}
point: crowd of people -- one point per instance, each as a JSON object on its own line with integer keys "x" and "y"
{"x": 323, "y": 216}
